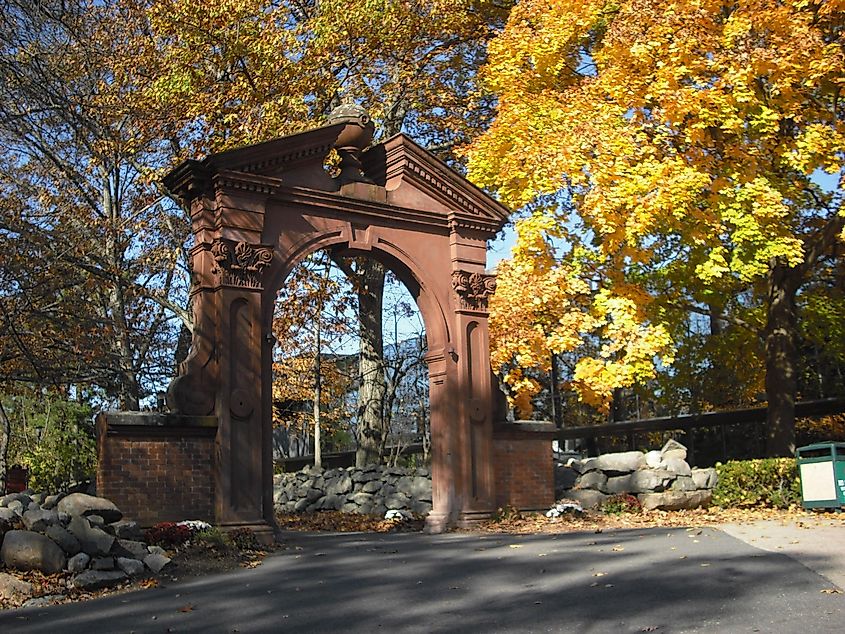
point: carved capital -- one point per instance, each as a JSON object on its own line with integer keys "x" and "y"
{"x": 239, "y": 263}
{"x": 473, "y": 289}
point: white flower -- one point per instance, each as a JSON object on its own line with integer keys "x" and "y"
{"x": 195, "y": 525}
{"x": 397, "y": 515}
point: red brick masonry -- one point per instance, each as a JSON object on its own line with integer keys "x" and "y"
{"x": 157, "y": 467}
{"x": 522, "y": 454}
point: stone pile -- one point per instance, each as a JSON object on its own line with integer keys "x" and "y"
{"x": 371, "y": 490}
{"x": 78, "y": 533}
{"x": 659, "y": 479}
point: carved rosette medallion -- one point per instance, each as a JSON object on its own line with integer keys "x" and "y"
{"x": 473, "y": 289}
{"x": 239, "y": 263}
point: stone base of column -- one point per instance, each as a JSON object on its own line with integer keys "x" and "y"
{"x": 437, "y": 522}
{"x": 471, "y": 519}
{"x": 265, "y": 534}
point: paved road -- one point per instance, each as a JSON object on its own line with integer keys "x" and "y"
{"x": 654, "y": 580}
{"x": 817, "y": 541}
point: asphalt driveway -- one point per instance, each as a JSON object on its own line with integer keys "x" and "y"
{"x": 645, "y": 580}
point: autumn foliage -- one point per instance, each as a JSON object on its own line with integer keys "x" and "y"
{"x": 669, "y": 160}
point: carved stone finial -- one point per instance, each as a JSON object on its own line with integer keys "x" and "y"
{"x": 352, "y": 140}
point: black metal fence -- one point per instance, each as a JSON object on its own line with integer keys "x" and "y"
{"x": 709, "y": 437}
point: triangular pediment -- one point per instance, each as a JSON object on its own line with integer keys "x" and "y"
{"x": 403, "y": 168}
{"x": 411, "y": 177}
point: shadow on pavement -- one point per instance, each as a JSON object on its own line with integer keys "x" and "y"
{"x": 654, "y": 580}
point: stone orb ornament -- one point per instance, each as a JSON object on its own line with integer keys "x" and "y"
{"x": 355, "y": 136}
{"x": 359, "y": 130}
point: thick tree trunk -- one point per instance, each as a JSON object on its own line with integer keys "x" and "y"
{"x": 781, "y": 360}
{"x": 371, "y": 393}
{"x": 318, "y": 394}
{"x": 5, "y": 435}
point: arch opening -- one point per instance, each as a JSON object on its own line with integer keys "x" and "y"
{"x": 367, "y": 372}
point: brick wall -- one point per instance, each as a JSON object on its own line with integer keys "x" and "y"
{"x": 523, "y": 465}
{"x": 156, "y": 472}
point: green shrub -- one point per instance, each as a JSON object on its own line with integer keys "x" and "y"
{"x": 766, "y": 482}
{"x": 212, "y": 537}
{"x": 65, "y": 453}
{"x": 622, "y": 503}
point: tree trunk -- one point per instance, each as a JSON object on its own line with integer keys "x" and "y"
{"x": 5, "y": 435}
{"x": 781, "y": 360}
{"x": 318, "y": 394}
{"x": 371, "y": 393}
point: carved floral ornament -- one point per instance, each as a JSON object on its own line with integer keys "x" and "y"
{"x": 239, "y": 263}
{"x": 473, "y": 289}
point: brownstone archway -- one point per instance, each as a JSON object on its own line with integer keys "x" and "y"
{"x": 255, "y": 213}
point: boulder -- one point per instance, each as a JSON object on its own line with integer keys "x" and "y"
{"x": 705, "y": 478}
{"x": 43, "y": 602}
{"x": 373, "y": 486}
{"x": 397, "y": 501}
{"x": 156, "y": 562}
{"x": 38, "y": 519}
{"x": 592, "y": 480}
{"x": 96, "y": 521}
{"x": 94, "y": 541}
{"x": 673, "y": 449}
{"x": 78, "y": 562}
{"x": 97, "y": 579}
{"x": 620, "y": 463}
{"x": 654, "y": 459}
{"x": 583, "y": 466}
{"x": 23, "y": 498}
{"x": 130, "y": 548}
{"x": 674, "y": 500}
{"x": 339, "y": 486}
{"x": 66, "y": 541}
{"x": 420, "y": 488}
{"x": 102, "y": 563}
{"x": 128, "y": 530}
{"x": 132, "y": 567}
{"x": 565, "y": 477}
{"x": 333, "y": 502}
{"x": 421, "y": 507}
{"x": 51, "y": 501}
{"x": 650, "y": 480}
{"x": 313, "y": 495}
{"x": 82, "y": 504}
{"x": 17, "y": 507}
{"x": 25, "y": 550}
{"x": 618, "y": 484}
{"x": 588, "y": 498}
{"x": 13, "y": 588}
{"x": 677, "y": 465}
{"x": 683, "y": 483}
{"x": 7, "y": 517}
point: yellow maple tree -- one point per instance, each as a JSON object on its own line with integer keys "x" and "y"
{"x": 671, "y": 155}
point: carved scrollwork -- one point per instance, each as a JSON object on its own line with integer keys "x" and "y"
{"x": 473, "y": 289}
{"x": 240, "y": 263}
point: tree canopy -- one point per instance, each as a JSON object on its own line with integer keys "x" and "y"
{"x": 669, "y": 158}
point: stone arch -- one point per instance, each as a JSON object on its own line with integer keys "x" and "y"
{"x": 409, "y": 272}
{"x": 255, "y": 212}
